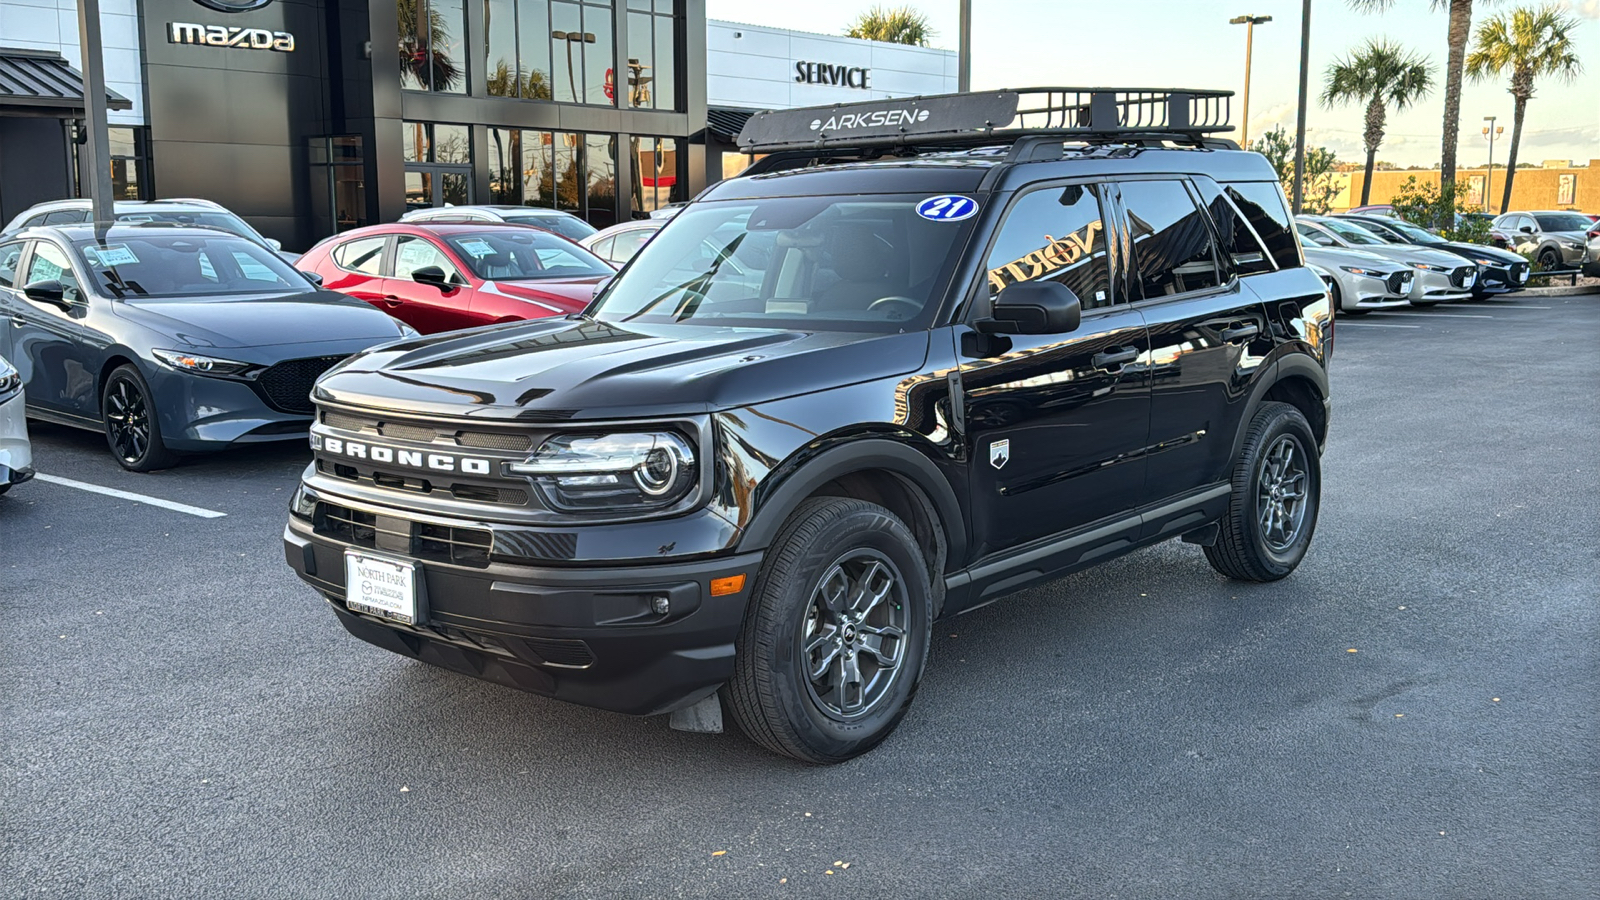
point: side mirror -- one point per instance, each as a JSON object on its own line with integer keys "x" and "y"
{"x": 275, "y": 244}
{"x": 1034, "y": 307}
{"x": 52, "y": 292}
{"x": 1526, "y": 229}
{"x": 312, "y": 277}
{"x": 430, "y": 275}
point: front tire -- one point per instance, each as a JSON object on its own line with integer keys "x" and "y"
{"x": 1277, "y": 492}
{"x": 133, "y": 430}
{"x": 1549, "y": 260}
{"x": 835, "y": 640}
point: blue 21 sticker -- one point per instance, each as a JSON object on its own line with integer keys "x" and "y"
{"x": 948, "y": 208}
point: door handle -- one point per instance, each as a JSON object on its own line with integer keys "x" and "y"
{"x": 1230, "y": 335}
{"x": 392, "y": 301}
{"x": 19, "y": 322}
{"x": 1117, "y": 357}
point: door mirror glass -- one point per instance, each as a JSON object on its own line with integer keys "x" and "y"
{"x": 52, "y": 292}
{"x": 1034, "y": 307}
{"x": 1526, "y": 229}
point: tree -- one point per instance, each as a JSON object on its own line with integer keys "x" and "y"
{"x": 1440, "y": 209}
{"x": 894, "y": 25}
{"x": 422, "y": 53}
{"x": 1322, "y": 177}
{"x": 1278, "y": 148}
{"x": 1460, "y": 30}
{"x": 1527, "y": 43}
{"x": 1383, "y": 74}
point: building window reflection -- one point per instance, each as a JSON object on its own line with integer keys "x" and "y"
{"x": 559, "y": 50}
{"x": 652, "y": 57}
{"x": 432, "y": 39}
{"x": 656, "y": 181}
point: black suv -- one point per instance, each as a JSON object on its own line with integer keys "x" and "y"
{"x": 909, "y": 362}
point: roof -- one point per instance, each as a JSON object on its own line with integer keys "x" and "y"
{"x": 726, "y": 122}
{"x": 80, "y": 231}
{"x": 41, "y": 83}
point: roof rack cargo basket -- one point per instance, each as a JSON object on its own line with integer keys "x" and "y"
{"x": 1089, "y": 115}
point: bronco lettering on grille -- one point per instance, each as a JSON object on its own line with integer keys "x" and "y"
{"x": 416, "y": 459}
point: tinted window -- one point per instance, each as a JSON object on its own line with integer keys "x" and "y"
{"x": 1313, "y": 235}
{"x": 629, "y": 242}
{"x": 1172, "y": 245}
{"x": 1352, "y": 233}
{"x": 30, "y": 223}
{"x": 360, "y": 255}
{"x": 569, "y": 227}
{"x": 1263, "y": 205}
{"x": 1564, "y": 222}
{"x": 413, "y": 253}
{"x": 10, "y": 255}
{"x": 66, "y": 217}
{"x": 523, "y": 253}
{"x": 1240, "y": 245}
{"x": 49, "y": 263}
{"x": 1055, "y": 234}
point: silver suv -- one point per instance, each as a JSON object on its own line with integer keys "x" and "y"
{"x": 565, "y": 224}
{"x": 1557, "y": 239}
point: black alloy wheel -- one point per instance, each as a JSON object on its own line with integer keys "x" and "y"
{"x": 133, "y": 431}
{"x": 1549, "y": 259}
{"x": 1277, "y": 492}
{"x": 836, "y": 635}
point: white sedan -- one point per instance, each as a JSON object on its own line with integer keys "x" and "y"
{"x": 16, "y": 454}
{"x": 1361, "y": 282}
{"x": 1440, "y": 276}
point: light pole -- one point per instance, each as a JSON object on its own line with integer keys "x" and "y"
{"x": 95, "y": 157}
{"x": 573, "y": 37}
{"x": 1249, "y": 22}
{"x": 964, "y": 57}
{"x": 1300, "y": 117}
{"x": 1491, "y": 131}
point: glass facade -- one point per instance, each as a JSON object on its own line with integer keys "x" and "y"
{"x": 128, "y": 148}
{"x": 339, "y": 182}
{"x": 433, "y": 45}
{"x": 652, "y": 55}
{"x": 578, "y": 172}
{"x": 561, "y": 50}
{"x": 438, "y": 162}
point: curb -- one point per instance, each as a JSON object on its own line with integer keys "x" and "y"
{"x": 1561, "y": 291}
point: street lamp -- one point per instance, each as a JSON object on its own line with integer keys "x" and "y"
{"x": 573, "y": 37}
{"x": 1300, "y": 115}
{"x": 1491, "y": 131}
{"x": 1249, "y": 23}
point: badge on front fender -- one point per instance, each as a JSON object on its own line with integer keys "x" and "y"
{"x": 1000, "y": 453}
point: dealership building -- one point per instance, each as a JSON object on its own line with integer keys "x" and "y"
{"x": 314, "y": 116}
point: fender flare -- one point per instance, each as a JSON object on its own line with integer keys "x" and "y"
{"x": 849, "y": 458}
{"x": 1291, "y": 365}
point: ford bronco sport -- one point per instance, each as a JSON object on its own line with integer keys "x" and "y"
{"x": 921, "y": 354}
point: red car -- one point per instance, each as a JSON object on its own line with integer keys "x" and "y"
{"x": 443, "y": 277}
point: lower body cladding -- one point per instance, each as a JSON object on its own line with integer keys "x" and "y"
{"x": 639, "y": 639}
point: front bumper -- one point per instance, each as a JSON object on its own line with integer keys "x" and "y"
{"x": 1368, "y": 292}
{"x": 1430, "y": 286}
{"x": 591, "y": 635}
{"x": 204, "y": 413}
{"x": 16, "y": 453}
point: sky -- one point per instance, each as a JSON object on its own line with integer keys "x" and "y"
{"x": 1189, "y": 43}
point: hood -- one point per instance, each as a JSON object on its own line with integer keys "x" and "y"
{"x": 1409, "y": 253}
{"x": 1339, "y": 256}
{"x": 564, "y": 295}
{"x": 261, "y": 320}
{"x": 580, "y": 368}
{"x": 1481, "y": 251}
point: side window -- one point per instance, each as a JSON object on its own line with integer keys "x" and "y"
{"x": 66, "y": 217}
{"x": 1172, "y": 246}
{"x": 629, "y": 242}
{"x": 1313, "y": 235}
{"x": 413, "y": 253}
{"x": 10, "y": 256}
{"x": 602, "y": 248}
{"x": 33, "y": 222}
{"x": 1241, "y": 246}
{"x": 360, "y": 255}
{"x": 1263, "y": 205}
{"x": 1054, "y": 234}
{"x": 50, "y": 263}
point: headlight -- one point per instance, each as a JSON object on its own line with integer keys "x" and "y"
{"x": 200, "y": 365}
{"x": 1489, "y": 262}
{"x": 1428, "y": 267}
{"x": 1367, "y": 272}
{"x": 1574, "y": 243}
{"x": 303, "y": 505}
{"x": 611, "y": 472}
{"x": 10, "y": 379}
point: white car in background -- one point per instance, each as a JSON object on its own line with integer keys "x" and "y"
{"x": 1440, "y": 276}
{"x": 1361, "y": 282}
{"x": 16, "y": 454}
{"x": 565, "y": 224}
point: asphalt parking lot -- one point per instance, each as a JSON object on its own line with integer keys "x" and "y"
{"x": 1413, "y": 714}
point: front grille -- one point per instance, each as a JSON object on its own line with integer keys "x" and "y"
{"x": 394, "y": 481}
{"x": 424, "y": 541}
{"x": 1399, "y": 282}
{"x": 287, "y": 386}
{"x": 1518, "y": 272}
{"x": 428, "y": 434}
{"x": 1458, "y": 278}
{"x": 563, "y": 652}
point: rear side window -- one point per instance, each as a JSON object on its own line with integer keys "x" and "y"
{"x": 66, "y": 217}
{"x": 360, "y": 255}
{"x": 1263, "y": 205}
{"x": 10, "y": 255}
{"x": 1172, "y": 243}
{"x": 1241, "y": 246}
{"x": 1055, "y": 234}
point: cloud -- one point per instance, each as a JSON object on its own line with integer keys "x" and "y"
{"x": 1589, "y": 9}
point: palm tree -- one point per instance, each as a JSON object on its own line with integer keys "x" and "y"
{"x": 894, "y": 25}
{"x": 422, "y": 53}
{"x": 1460, "y": 30}
{"x": 1383, "y": 74}
{"x": 1528, "y": 43}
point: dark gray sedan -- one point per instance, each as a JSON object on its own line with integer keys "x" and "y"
{"x": 171, "y": 339}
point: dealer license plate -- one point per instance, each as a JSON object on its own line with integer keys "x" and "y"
{"x": 1522, "y": 275}
{"x": 380, "y": 586}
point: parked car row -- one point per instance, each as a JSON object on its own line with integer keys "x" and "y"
{"x": 1557, "y": 239}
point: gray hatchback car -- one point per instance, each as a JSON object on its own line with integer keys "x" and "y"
{"x": 1557, "y": 239}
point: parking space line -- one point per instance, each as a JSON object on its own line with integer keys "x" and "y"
{"x": 1374, "y": 325}
{"x": 1434, "y": 315}
{"x": 129, "y": 495}
{"x": 1495, "y": 306}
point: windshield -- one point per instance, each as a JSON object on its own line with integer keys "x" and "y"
{"x": 198, "y": 266}
{"x": 225, "y": 221}
{"x": 857, "y": 263}
{"x": 567, "y": 226}
{"x": 515, "y": 254}
{"x": 1417, "y": 235}
{"x": 1354, "y": 234}
{"x": 1564, "y": 222}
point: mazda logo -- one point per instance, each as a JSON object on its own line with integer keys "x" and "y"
{"x": 233, "y": 6}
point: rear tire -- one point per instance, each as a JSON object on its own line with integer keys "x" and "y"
{"x": 837, "y": 633}
{"x": 132, "y": 427}
{"x": 1277, "y": 492}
